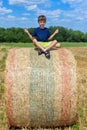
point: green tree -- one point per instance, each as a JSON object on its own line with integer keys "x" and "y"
{"x": 2, "y": 35}
{"x": 18, "y": 35}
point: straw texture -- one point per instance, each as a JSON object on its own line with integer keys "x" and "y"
{"x": 41, "y": 92}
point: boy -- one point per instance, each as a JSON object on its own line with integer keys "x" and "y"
{"x": 41, "y": 36}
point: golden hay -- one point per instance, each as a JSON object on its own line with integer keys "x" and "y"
{"x": 41, "y": 92}
{"x": 80, "y": 55}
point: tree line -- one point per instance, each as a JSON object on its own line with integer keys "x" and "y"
{"x": 18, "y": 35}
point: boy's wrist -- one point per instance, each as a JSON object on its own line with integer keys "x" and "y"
{"x": 54, "y": 33}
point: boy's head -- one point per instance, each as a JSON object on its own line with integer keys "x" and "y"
{"x": 41, "y": 20}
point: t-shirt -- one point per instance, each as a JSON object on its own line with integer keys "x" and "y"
{"x": 41, "y": 34}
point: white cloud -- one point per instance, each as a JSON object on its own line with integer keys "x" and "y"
{"x": 24, "y": 18}
{"x": 76, "y": 3}
{"x": 27, "y": 2}
{"x": 29, "y": 5}
{"x": 71, "y": 1}
{"x": 17, "y": 1}
{"x": 49, "y": 13}
{"x": 77, "y": 11}
{"x": 13, "y": 21}
{"x": 76, "y": 14}
{"x": 80, "y": 19}
{"x": 32, "y": 7}
{"x": 11, "y": 17}
{"x": 4, "y": 10}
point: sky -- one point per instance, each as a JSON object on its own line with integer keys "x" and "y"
{"x": 71, "y": 14}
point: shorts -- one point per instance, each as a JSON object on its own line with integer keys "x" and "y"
{"x": 45, "y": 44}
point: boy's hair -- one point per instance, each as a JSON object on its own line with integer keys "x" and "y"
{"x": 41, "y": 18}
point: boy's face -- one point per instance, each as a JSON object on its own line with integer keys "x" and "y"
{"x": 42, "y": 23}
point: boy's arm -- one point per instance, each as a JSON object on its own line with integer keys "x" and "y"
{"x": 28, "y": 33}
{"x": 56, "y": 31}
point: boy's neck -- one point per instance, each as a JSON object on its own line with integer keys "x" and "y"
{"x": 42, "y": 27}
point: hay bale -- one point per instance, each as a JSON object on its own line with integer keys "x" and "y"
{"x": 41, "y": 92}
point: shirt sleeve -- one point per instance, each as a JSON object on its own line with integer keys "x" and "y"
{"x": 49, "y": 33}
{"x": 34, "y": 33}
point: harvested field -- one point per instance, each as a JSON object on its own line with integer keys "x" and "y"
{"x": 81, "y": 57}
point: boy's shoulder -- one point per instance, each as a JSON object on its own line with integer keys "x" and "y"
{"x": 38, "y": 28}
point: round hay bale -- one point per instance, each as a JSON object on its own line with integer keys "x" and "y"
{"x": 41, "y": 92}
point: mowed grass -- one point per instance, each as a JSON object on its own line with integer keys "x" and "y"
{"x": 73, "y": 44}
{"x": 81, "y": 57}
{"x": 63, "y": 44}
{"x": 17, "y": 44}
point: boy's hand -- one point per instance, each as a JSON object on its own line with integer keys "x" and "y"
{"x": 57, "y": 30}
{"x": 26, "y": 31}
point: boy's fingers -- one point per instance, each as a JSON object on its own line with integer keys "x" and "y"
{"x": 57, "y": 30}
{"x": 24, "y": 29}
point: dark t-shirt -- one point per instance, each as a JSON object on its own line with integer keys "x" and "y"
{"x": 41, "y": 34}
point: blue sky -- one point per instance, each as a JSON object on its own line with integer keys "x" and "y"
{"x": 23, "y": 13}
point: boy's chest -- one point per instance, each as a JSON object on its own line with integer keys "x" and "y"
{"x": 42, "y": 33}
